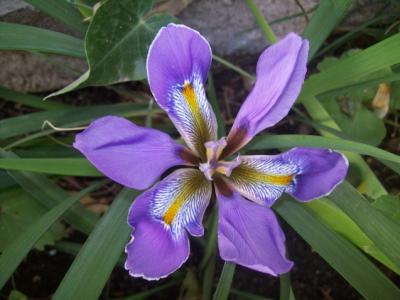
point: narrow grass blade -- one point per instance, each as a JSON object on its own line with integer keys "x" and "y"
{"x": 345, "y": 258}
{"x": 29, "y": 100}
{"x": 329, "y": 13}
{"x": 381, "y": 230}
{"x": 61, "y": 10}
{"x": 300, "y": 140}
{"x": 90, "y": 270}
{"x": 15, "y": 253}
{"x": 28, "y": 38}
{"x": 50, "y": 195}
{"x": 354, "y": 69}
{"x": 333, "y": 217}
{"x": 262, "y": 23}
{"x": 59, "y": 166}
{"x": 79, "y": 115}
{"x": 225, "y": 281}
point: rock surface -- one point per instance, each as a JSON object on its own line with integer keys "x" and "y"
{"x": 228, "y": 24}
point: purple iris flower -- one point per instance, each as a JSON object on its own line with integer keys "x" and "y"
{"x": 245, "y": 186}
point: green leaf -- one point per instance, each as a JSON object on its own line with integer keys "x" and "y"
{"x": 333, "y": 217}
{"x": 381, "y": 230}
{"x": 50, "y": 195}
{"x": 116, "y": 50}
{"x": 354, "y": 69}
{"x": 61, "y": 10}
{"x": 17, "y": 295}
{"x": 29, "y": 100}
{"x": 18, "y": 212}
{"x": 329, "y": 13}
{"x": 225, "y": 281}
{"x": 72, "y": 116}
{"x": 268, "y": 141}
{"x": 15, "y": 253}
{"x": 390, "y": 206}
{"x": 99, "y": 254}
{"x": 363, "y": 125}
{"x": 28, "y": 38}
{"x": 60, "y": 166}
{"x": 345, "y": 258}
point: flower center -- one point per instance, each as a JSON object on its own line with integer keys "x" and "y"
{"x": 213, "y": 164}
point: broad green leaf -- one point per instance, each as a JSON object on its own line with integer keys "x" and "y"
{"x": 61, "y": 10}
{"x": 344, "y": 257}
{"x": 361, "y": 124}
{"x": 60, "y": 166}
{"x": 18, "y": 212}
{"x": 333, "y": 217}
{"x": 50, "y": 195}
{"x": 19, "y": 248}
{"x": 225, "y": 281}
{"x": 329, "y": 13}
{"x": 382, "y": 231}
{"x": 116, "y": 51}
{"x": 389, "y": 205}
{"x": 73, "y": 116}
{"x": 28, "y": 38}
{"x": 90, "y": 270}
{"x": 300, "y": 140}
{"x": 29, "y": 100}
{"x": 350, "y": 109}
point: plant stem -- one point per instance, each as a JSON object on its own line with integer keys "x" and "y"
{"x": 233, "y": 67}
{"x": 264, "y": 26}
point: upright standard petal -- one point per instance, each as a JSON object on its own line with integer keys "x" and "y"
{"x": 177, "y": 65}
{"x": 305, "y": 173}
{"x": 131, "y": 155}
{"x": 281, "y": 70}
{"x": 249, "y": 235}
{"x": 161, "y": 218}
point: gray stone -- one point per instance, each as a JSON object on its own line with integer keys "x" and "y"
{"x": 34, "y": 72}
{"x": 227, "y": 24}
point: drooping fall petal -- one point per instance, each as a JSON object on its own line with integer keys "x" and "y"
{"x": 305, "y": 173}
{"x": 249, "y": 235}
{"x": 131, "y": 155}
{"x": 161, "y": 218}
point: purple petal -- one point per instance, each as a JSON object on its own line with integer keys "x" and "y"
{"x": 305, "y": 173}
{"x": 263, "y": 178}
{"x": 133, "y": 156}
{"x": 321, "y": 170}
{"x": 161, "y": 218}
{"x": 249, "y": 235}
{"x": 153, "y": 252}
{"x": 177, "y": 65}
{"x": 281, "y": 70}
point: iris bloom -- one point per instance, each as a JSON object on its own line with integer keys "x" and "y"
{"x": 245, "y": 186}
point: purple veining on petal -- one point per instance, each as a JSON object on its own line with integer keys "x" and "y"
{"x": 133, "y": 156}
{"x": 177, "y": 65}
{"x": 249, "y": 235}
{"x": 281, "y": 70}
{"x": 321, "y": 170}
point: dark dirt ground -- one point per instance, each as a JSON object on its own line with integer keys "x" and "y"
{"x": 312, "y": 278}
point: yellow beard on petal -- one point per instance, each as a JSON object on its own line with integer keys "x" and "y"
{"x": 200, "y": 125}
{"x": 187, "y": 190}
{"x": 253, "y": 175}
